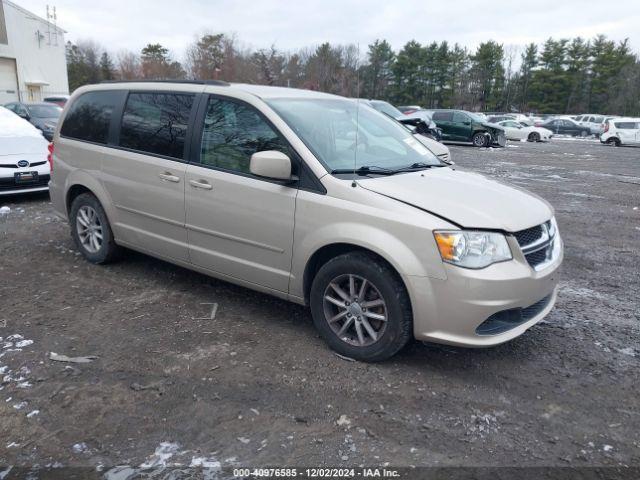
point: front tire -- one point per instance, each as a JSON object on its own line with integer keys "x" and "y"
{"x": 480, "y": 139}
{"x": 534, "y": 137}
{"x": 91, "y": 231}
{"x": 361, "y": 307}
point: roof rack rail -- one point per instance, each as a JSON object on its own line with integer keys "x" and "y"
{"x": 220, "y": 83}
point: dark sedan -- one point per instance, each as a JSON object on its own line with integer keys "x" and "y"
{"x": 43, "y": 116}
{"x": 565, "y": 126}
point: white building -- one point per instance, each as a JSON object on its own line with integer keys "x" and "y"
{"x": 33, "y": 63}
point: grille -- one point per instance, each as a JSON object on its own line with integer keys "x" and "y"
{"x": 505, "y": 320}
{"x": 528, "y": 236}
{"x": 536, "y": 244}
{"x": 13, "y": 165}
{"x": 10, "y": 184}
{"x": 539, "y": 256}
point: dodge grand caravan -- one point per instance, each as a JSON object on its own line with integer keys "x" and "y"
{"x": 310, "y": 197}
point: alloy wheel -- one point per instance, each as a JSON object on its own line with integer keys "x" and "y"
{"x": 89, "y": 229}
{"x": 355, "y": 310}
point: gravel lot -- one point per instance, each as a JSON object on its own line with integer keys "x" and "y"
{"x": 257, "y": 386}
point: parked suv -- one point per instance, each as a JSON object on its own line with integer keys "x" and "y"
{"x": 462, "y": 126}
{"x": 621, "y": 131}
{"x": 309, "y": 197}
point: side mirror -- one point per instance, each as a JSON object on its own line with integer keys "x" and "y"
{"x": 24, "y": 115}
{"x": 271, "y": 164}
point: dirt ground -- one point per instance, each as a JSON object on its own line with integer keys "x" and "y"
{"x": 256, "y": 385}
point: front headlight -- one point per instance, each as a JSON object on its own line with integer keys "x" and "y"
{"x": 472, "y": 249}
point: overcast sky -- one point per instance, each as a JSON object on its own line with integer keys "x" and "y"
{"x": 131, "y": 24}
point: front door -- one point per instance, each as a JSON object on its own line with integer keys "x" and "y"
{"x": 462, "y": 127}
{"x": 238, "y": 224}
{"x": 145, "y": 176}
{"x": 444, "y": 121}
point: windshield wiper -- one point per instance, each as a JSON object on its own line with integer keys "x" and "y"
{"x": 366, "y": 169}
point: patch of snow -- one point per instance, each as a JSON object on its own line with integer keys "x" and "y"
{"x": 243, "y": 440}
{"x": 627, "y": 351}
{"x": 24, "y": 343}
{"x": 204, "y": 462}
{"x": 80, "y": 447}
{"x": 607, "y": 448}
{"x": 20, "y": 406}
{"x": 33, "y": 413}
{"x": 162, "y": 454}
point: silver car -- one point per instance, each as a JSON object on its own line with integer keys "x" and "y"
{"x": 309, "y": 197}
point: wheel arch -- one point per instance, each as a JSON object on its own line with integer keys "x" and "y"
{"x": 325, "y": 253}
{"x": 80, "y": 182}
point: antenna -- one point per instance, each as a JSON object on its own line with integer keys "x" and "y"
{"x": 48, "y": 26}
{"x": 355, "y": 150}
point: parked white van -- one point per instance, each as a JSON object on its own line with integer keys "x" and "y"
{"x": 621, "y": 131}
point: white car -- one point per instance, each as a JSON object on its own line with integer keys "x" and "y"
{"x": 621, "y": 131}
{"x": 594, "y": 122}
{"x": 24, "y": 156}
{"x": 516, "y": 131}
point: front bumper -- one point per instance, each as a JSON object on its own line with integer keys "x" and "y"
{"x": 450, "y": 311}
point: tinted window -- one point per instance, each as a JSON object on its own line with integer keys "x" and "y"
{"x": 90, "y": 116}
{"x": 234, "y": 131}
{"x": 156, "y": 123}
{"x": 11, "y": 106}
{"x": 626, "y": 125}
{"x": 598, "y": 119}
{"x": 443, "y": 116}
{"x": 460, "y": 117}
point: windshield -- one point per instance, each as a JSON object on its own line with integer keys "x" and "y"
{"x": 45, "y": 111}
{"x": 476, "y": 117}
{"x": 344, "y": 134}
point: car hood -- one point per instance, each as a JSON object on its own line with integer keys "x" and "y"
{"x": 467, "y": 199}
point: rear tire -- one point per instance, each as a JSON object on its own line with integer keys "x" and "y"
{"x": 91, "y": 231}
{"x": 584, "y": 134}
{"x": 613, "y": 141}
{"x": 480, "y": 139}
{"x": 346, "y": 321}
{"x": 534, "y": 137}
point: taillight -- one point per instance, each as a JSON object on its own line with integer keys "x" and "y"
{"x": 50, "y": 157}
{"x": 606, "y": 127}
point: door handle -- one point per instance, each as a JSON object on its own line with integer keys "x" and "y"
{"x": 200, "y": 184}
{"x": 168, "y": 177}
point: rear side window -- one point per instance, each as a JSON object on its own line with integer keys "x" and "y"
{"x": 443, "y": 116}
{"x": 90, "y": 116}
{"x": 156, "y": 123}
{"x": 627, "y": 125}
{"x": 233, "y": 131}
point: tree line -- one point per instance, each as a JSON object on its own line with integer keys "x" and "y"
{"x": 559, "y": 76}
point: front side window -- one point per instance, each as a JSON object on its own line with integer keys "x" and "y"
{"x": 156, "y": 123}
{"x": 460, "y": 117}
{"x": 344, "y": 134}
{"x": 233, "y": 131}
{"x": 89, "y": 117}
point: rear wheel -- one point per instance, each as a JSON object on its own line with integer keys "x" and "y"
{"x": 534, "y": 137}
{"x": 613, "y": 141}
{"x": 480, "y": 139}
{"x": 361, "y": 307}
{"x": 91, "y": 231}
{"x": 584, "y": 134}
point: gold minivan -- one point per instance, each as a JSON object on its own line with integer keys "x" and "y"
{"x": 311, "y": 197}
